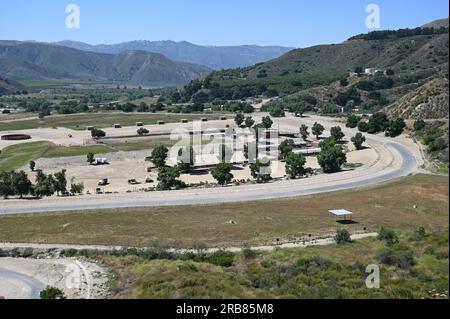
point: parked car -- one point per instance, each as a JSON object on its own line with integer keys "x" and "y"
{"x": 133, "y": 181}
{"x": 148, "y": 179}
{"x": 103, "y": 182}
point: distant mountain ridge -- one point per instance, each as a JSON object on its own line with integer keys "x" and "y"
{"x": 32, "y": 60}
{"x": 214, "y": 57}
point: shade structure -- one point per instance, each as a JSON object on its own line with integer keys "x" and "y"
{"x": 341, "y": 212}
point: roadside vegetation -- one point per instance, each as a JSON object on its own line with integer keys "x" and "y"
{"x": 434, "y": 135}
{"x": 414, "y": 267}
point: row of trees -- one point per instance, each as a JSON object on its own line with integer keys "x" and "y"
{"x": 249, "y": 122}
{"x": 378, "y": 122}
{"x": 18, "y": 184}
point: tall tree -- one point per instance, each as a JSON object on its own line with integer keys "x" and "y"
{"x": 60, "y": 182}
{"x": 358, "y": 140}
{"x": 304, "y": 132}
{"x": 261, "y": 170}
{"x": 6, "y": 185}
{"x": 222, "y": 173}
{"x": 167, "y": 178}
{"x": 295, "y": 165}
{"x": 317, "y": 130}
{"x": 239, "y": 119}
{"x": 249, "y": 121}
{"x": 21, "y": 184}
{"x": 32, "y": 165}
{"x": 337, "y": 134}
{"x": 267, "y": 122}
{"x": 159, "y": 155}
{"x": 331, "y": 156}
{"x": 285, "y": 148}
{"x": 90, "y": 157}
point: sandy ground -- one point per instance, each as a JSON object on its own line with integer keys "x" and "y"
{"x": 60, "y": 136}
{"x": 78, "y": 279}
{"x": 378, "y": 160}
{"x": 132, "y": 165}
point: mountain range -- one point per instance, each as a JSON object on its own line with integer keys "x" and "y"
{"x": 214, "y": 57}
{"x": 32, "y": 60}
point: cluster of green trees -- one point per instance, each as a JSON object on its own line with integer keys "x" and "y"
{"x": 377, "y": 83}
{"x": 332, "y": 156}
{"x": 236, "y": 106}
{"x": 71, "y": 107}
{"x": 401, "y": 33}
{"x": 297, "y": 105}
{"x": 167, "y": 176}
{"x": 378, "y": 122}
{"x": 97, "y": 133}
{"x": 18, "y": 184}
{"x": 142, "y": 131}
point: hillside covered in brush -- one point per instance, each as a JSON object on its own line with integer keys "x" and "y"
{"x": 8, "y": 86}
{"x": 38, "y": 61}
{"x": 408, "y": 74}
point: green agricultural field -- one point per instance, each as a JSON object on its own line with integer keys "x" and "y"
{"x": 16, "y": 156}
{"x": 259, "y": 222}
{"x": 51, "y": 84}
{"x": 414, "y": 268}
{"x": 100, "y": 120}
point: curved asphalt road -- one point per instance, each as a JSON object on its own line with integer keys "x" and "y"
{"x": 30, "y": 287}
{"x": 207, "y": 197}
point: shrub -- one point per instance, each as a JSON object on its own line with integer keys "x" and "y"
{"x": 52, "y": 293}
{"x": 437, "y": 145}
{"x": 221, "y": 258}
{"x": 419, "y": 125}
{"x": 248, "y": 253}
{"x": 388, "y": 235}
{"x": 342, "y": 236}
{"x": 69, "y": 252}
{"x": 142, "y": 131}
{"x": 352, "y": 121}
{"x": 420, "y": 233}
{"x": 398, "y": 255}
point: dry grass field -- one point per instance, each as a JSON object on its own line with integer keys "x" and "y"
{"x": 258, "y": 222}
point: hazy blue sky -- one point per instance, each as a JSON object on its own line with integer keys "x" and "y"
{"x": 297, "y": 23}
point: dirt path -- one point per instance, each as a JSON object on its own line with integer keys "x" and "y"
{"x": 299, "y": 244}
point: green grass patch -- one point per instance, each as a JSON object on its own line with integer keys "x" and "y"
{"x": 51, "y": 84}
{"x": 15, "y": 156}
